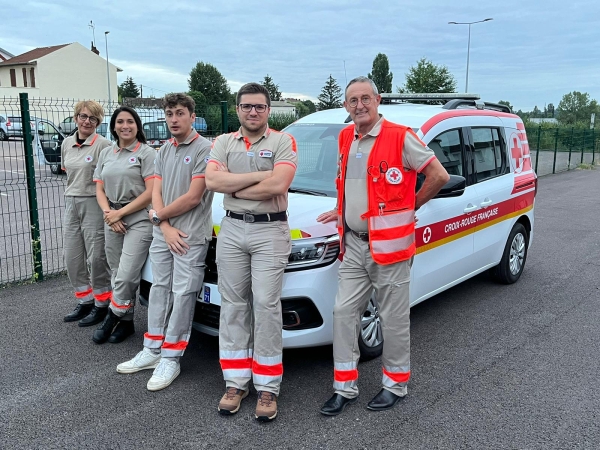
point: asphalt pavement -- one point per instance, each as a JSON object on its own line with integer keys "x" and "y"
{"x": 493, "y": 366}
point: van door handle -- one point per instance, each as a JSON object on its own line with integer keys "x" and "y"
{"x": 470, "y": 208}
{"x": 486, "y": 202}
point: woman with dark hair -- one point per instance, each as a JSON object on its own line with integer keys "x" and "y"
{"x": 124, "y": 180}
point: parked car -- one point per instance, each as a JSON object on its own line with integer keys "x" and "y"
{"x": 67, "y": 126}
{"x": 200, "y": 125}
{"x": 3, "y": 129}
{"x": 14, "y": 126}
{"x": 481, "y": 220}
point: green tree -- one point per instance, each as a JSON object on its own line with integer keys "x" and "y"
{"x": 273, "y": 88}
{"x": 330, "y": 96}
{"x": 200, "y": 102}
{"x": 576, "y": 107}
{"x": 381, "y": 75}
{"x": 129, "y": 89}
{"x": 505, "y": 103}
{"x": 301, "y": 109}
{"x": 550, "y": 109}
{"x": 310, "y": 105}
{"x": 205, "y": 78}
{"x": 427, "y": 77}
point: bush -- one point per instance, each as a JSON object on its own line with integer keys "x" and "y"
{"x": 279, "y": 121}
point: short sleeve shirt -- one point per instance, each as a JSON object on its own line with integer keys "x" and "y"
{"x": 124, "y": 171}
{"x": 177, "y": 165}
{"x": 415, "y": 155}
{"x": 242, "y": 156}
{"x": 80, "y": 161}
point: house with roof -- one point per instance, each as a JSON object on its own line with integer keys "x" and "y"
{"x": 282, "y": 107}
{"x": 5, "y": 55}
{"x": 68, "y": 71}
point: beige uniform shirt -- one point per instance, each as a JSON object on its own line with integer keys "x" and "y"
{"x": 415, "y": 155}
{"x": 79, "y": 161}
{"x": 241, "y": 156}
{"x": 177, "y": 165}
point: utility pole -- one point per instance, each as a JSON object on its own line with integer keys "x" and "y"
{"x": 107, "y": 70}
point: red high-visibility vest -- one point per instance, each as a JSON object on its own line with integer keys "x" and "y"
{"x": 391, "y": 194}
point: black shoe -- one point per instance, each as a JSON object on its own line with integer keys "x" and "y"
{"x": 79, "y": 312}
{"x": 384, "y": 400}
{"x": 102, "y": 334}
{"x": 123, "y": 330}
{"x": 336, "y": 404}
{"x": 95, "y": 316}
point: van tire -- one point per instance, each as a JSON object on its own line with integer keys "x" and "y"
{"x": 56, "y": 169}
{"x": 513, "y": 259}
{"x": 3, "y": 135}
{"x": 370, "y": 338}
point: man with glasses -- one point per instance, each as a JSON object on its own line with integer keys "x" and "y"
{"x": 378, "y": 167}
{"x": 254, "y": 168}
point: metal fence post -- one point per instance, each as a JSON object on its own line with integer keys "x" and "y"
{"x": 583, "y": 147}
{"x": 537, "y": 152}
{"x": 31, "y": 188}
{"x": 224, "y": 123}
{"x": 570, "y": 147}
{"x": 555, "y": 150}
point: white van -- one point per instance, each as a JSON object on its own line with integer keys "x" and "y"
{"x": 482, "y": 219}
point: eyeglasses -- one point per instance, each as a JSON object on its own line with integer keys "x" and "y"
{"x": 247, "y": 107}
{"x": 84, "y": 117}
{"x": 365, "y": 100}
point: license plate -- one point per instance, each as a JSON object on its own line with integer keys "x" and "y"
{"x": 206, "y": 294}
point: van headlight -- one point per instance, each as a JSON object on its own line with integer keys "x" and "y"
{"x": 313, "y": 252}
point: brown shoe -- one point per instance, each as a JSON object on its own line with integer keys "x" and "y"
{"x": 231, "y": 401}
{"x": 266, "y": 407}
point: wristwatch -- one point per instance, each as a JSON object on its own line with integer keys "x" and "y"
{"x": 155, "y": 219}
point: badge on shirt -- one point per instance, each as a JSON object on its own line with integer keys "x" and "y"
{"x": 358, "y": 155}
{"x": 393, "y": 175}
{"x": 265, "y": 154}
{"x": 206, "y": 159}
{"x": 187, "y": 160}
{"x": 249, "y": 153}
{"x": 132, "y": 160}
{"x": 88, "y": 159}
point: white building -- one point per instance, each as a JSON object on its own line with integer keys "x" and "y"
{"x": 282, "y": 107}
{"x": 68, "y": 71}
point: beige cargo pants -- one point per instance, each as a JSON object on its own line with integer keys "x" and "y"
{"x": 126, "y": 255}
{"x": 359, "y": 275}
{"x": 84, "y": 252}
{"x": 251, "y": 259}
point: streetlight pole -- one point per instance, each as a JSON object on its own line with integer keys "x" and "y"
{"x": 107, "y": 69}
{"x": 469, "y": 45}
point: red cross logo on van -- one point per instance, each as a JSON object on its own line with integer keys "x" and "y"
{"x": 517, "y": 153}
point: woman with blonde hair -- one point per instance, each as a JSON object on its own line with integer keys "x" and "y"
{"x": 83, "y": 223}
{"x": 124, "y": 180}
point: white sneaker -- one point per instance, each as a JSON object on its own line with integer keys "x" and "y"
{"x": 143, "y": 360}
{"x": 164, "y": 374}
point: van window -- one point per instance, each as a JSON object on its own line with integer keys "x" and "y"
{"x": 156, "y": 131}
{"x": 448, "y": 150}
{"x": 317, "y": 156}
{"x": 487, "y": 153}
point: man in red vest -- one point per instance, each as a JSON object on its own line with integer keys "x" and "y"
{"x": 378, "y": 167}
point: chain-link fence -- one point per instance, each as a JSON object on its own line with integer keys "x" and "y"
{"x": 558, "y": 149}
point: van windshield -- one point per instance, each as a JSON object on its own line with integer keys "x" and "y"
{"x": 317, "y": 156}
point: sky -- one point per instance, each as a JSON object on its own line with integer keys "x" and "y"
{"x": 530, "y": 54}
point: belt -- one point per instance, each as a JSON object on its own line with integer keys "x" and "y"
{"x": 363, "y": 235}
{"x": 251, "y": 218}
{"x": 117, "y": 206}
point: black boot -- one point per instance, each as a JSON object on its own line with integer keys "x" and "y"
{"x": 95, "y": 316}
{"x": 79, "y": 312}
{"x": 102, "y": 334}
{"x": 123, "y": 330}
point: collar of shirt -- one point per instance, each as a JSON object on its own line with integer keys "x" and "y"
{"x": 89, "y": 141}
{"x": 133, "y": 147}
{"x": 374, "y": 132}
{"x": 188, "y": 140}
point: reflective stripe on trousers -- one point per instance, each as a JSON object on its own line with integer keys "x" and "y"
{"x": 345, "y": 376}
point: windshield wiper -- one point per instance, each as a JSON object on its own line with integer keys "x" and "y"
{"x": 307, "y": 191}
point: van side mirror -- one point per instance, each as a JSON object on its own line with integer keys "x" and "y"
{"x": 455, "y": 187}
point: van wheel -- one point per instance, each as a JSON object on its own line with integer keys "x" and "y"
{"x": 3, "y": 135}
{"x": 56, "y": 169}
{"x": 370, "y": 340}
{"x": 515, "y": 254}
